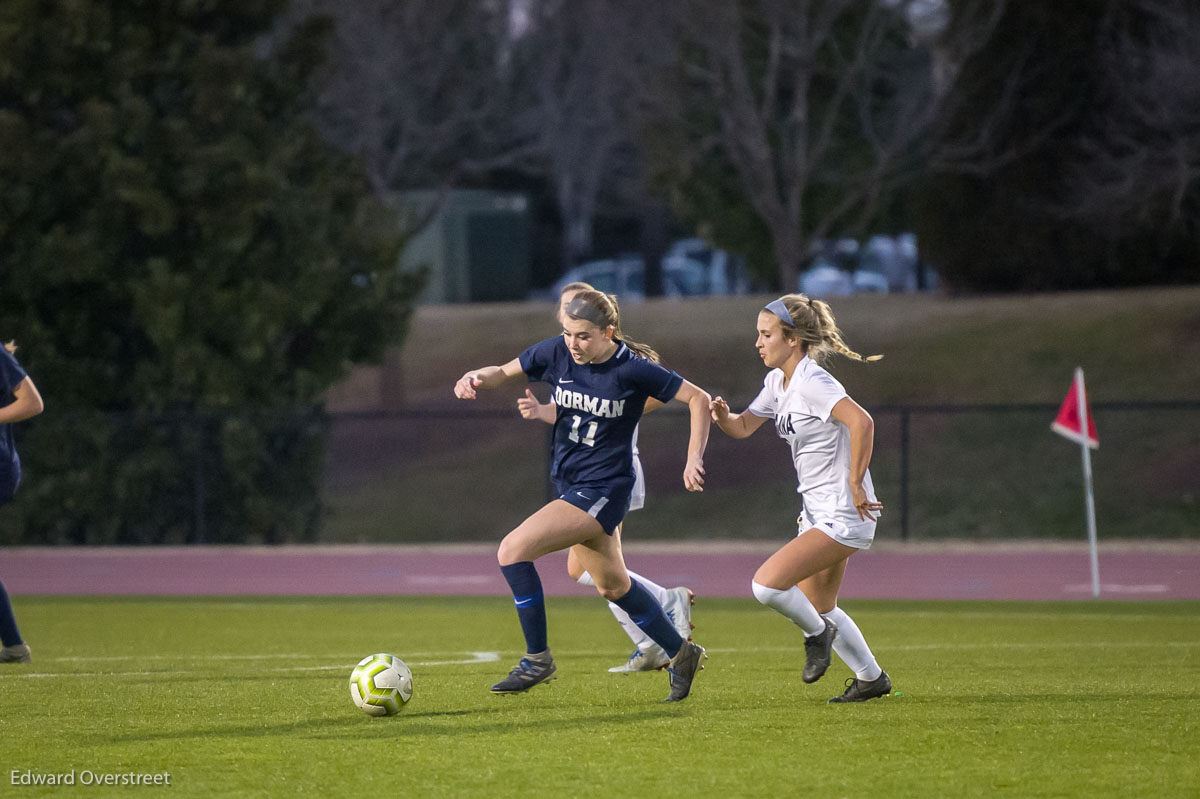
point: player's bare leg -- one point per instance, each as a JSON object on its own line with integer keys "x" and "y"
{"x": 775, "y": 585}
{"x": 557, "y": 525}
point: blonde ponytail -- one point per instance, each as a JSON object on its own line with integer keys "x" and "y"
{"x": 813, "y": 324}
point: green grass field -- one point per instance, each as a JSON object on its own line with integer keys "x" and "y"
{"x": 249, "y": 697}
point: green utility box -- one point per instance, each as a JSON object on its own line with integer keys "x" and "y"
{"x": 476, "y": 246}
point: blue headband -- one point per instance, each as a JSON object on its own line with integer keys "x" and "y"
{"x": 779, "y": 309}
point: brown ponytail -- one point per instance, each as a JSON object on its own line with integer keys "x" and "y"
{"x": 607, "y": 310}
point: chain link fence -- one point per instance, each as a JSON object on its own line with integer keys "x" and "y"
{"x": 943, "y": 472}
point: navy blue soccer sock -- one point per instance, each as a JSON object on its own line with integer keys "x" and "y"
{"x": 9, "y": 634}
{"x": 647, "y": 614}
{"x": 531, "y": 605}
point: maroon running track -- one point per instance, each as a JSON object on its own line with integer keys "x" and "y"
{"x": 995, "y": 571}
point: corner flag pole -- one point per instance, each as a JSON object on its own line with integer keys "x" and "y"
{"x": 1087, "y": 482}
{"x": 1074, "y": 422}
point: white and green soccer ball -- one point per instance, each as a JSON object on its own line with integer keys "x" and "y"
{"x": 381, "y": 685}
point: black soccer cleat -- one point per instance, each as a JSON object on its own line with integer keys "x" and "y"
{"x": 525, "y": 675}
{"x": 818, "y": 650}
{"x": 682, "y": 670}
{"x": 862, "y": 690}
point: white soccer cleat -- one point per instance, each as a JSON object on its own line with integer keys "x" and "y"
{"x": 652, "y": 659}
{"x": 679, "y": 610}
{"x": 17, "y": 653}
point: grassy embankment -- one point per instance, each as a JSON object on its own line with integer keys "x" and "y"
{"x": 972, "y": 475}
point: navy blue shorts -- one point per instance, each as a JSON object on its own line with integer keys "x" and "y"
{"x": 9, "y": 480}
{"x": 607, "y": 503}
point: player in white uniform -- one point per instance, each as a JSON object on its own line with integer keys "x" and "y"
{"x": 676, "y": 602}
{"x": 831, "y": 438}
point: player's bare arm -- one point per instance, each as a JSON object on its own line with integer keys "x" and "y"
{"x": 487, "y": 377}
{"x": 734, "y": 425}
{"x": 697, "y": 400}
{"x": 26, "y": 404}
{"x": 862, "y": 444}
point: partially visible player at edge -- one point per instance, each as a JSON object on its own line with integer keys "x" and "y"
{"x": 676, "y": 602}
{"x": 600, "y": 390}
{"x": 831, "y": 438}
{"x": 19, "y": 400}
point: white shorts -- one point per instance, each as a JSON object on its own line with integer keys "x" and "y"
{"x": 858, "y": 535}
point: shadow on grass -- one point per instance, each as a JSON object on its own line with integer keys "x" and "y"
{"x": 578, "y": 721}
{"x": 405, "y": 724}
{"x": 150, "y": 678}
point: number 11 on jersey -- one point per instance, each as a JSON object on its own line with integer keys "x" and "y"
{"x": 590, "y": 437}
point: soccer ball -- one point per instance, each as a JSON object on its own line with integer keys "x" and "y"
{"x": 381, "y": 685}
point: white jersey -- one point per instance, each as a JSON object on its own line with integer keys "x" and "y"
{"x": 820, "y": 444}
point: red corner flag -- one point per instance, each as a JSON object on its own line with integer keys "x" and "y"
{"x": 1074, "y": 407}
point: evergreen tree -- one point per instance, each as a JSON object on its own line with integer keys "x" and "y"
{"x": 186, "y": 265}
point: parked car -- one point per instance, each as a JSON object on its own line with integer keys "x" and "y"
{"x": 868, "y": 281}
{"x": 823, "y": 279}
{"x": 883, "y": 264}
{"x": 720, "y": 272}
{"x": 689, "y": 268}
{"x": 624, "y": 276}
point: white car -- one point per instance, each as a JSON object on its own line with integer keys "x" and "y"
{"x": 689, "y": 268}
{"x": 826, "y": 280}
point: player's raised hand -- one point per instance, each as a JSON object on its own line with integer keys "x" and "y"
{"x": 529, "y": 406}
{"x": 693, "y": 475}
{"x": 719, "y": 409}
{"x": 466, "y": 385}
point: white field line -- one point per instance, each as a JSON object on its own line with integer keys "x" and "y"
{"x": 493, "y": 657}
{"x": 990, "y": 645}
{"x": 1006, "y": 614}
{"x": 476, "y": 657}
{"x": 267, "y": 656}
{"x": 1116, "y": 588}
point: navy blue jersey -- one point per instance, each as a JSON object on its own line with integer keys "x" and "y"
{"x": 599, "y": 406}
{"x": 11, "y": 375}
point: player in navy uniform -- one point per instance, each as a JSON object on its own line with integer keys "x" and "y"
{"x": 831, "y": 438}
{"x": 600, "y": 390}
{"x": 19, "y": 400}
{"x": 676, "y": 602}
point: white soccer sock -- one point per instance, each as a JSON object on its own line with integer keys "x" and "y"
{"x": 793, "y": 604}
{"x": 852, "y": 648}
{"x": 635, "y": 633}
{"x": 656, "y": 590}
{"x": 639, "y": 638}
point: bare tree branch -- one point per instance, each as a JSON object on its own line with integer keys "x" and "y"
{"x": 414, "y": 84}
{"x": 1141, "y": 164}
{"x": 815, "y": 104}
